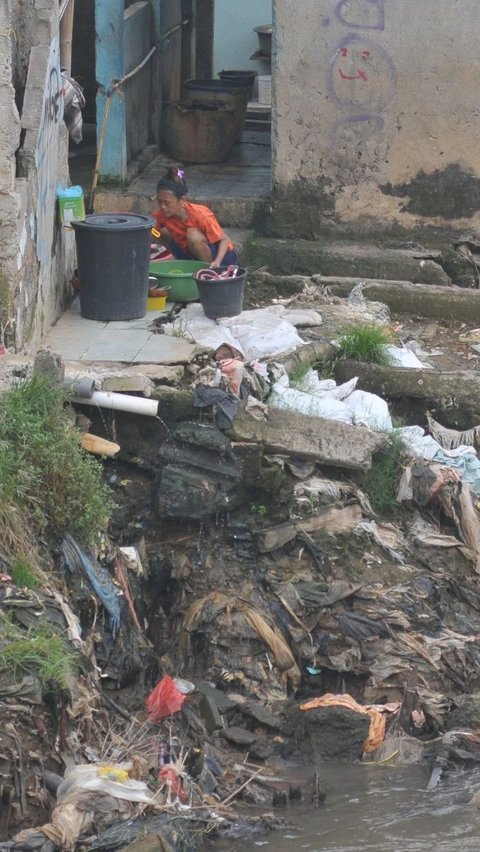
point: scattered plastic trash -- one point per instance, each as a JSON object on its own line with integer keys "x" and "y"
{"x": 386, "y": 535}
{"x": 169, "y": 774}
{"x": 400, "y": 356}
{"x": 255, "y": 334}
{"x": 225, "y": 402}
{"x": 133, "y": 561}
{"x": 184, "y": 686}
{"x": 463, "y": 458}
{"x": 323, "y": 398}
{"x": 165, "y": 699}
{"x": 425, "y": 481}
{"x": 450, "y": 439}
{"x": 77, "y": 560}
{"x": 111, "y": 779}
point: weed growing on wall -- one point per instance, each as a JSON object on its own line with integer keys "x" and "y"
{"x": 49, "y": 485}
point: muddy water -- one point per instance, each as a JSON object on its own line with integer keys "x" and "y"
{"x": 379, "y": 810}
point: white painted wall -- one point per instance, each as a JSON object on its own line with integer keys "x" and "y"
{"x": 234, "y": 39}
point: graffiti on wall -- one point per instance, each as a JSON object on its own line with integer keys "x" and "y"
{"x": 46, "y": 154}
{"x": 361, "y": 77}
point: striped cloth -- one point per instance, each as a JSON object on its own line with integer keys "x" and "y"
{"x": 73, "y": 103}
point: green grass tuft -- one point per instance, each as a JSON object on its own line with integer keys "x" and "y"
{"x": 40, "y": 652}
{"x": 297, "y": 377}
{"x": 364, "y": 342}
{"x": 23, "y": 574}
{"x": 381, "y": 481}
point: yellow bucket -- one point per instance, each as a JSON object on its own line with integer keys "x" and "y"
{"x": 156, "y": 303}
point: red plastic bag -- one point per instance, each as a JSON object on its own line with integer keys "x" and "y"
{"x": 170, "y": 775}
{"x": 164, "y": 700}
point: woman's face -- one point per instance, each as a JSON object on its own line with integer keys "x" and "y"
{"x": 168, "y": 203}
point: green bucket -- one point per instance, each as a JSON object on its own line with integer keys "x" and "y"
{"x": 177, "y": 274}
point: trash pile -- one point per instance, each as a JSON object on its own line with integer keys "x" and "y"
{"x": 252, "y": 610}
{"x": 73, "y": 750}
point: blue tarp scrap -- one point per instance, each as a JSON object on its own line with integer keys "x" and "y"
{"x": 78, "y": 561}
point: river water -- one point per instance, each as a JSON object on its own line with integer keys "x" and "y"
{"x": 378, "y": 809}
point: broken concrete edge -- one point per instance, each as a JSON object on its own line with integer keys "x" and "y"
{"x": 108, "y": 375}
{"x": 327, "y": 442}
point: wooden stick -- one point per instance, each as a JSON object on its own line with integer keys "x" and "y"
{"x": 239, "y": 789}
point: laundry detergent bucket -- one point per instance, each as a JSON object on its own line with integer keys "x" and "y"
{"x": 113, "y": 252}
{"x": 71, "y": 204}
{"x": 222, "y": 297}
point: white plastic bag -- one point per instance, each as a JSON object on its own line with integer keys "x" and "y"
{"x": 113, "y": 780}
{"x": 289, "y": 399}
{"x": 368, "y": 409}
{"x": 398, "y": 356}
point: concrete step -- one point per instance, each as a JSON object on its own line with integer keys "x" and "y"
{"x": 359, "y": 260}
{"x": 230, "y": 212}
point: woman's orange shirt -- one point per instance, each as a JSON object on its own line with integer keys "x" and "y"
{"x": 198, "y": 216}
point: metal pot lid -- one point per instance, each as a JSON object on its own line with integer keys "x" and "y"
{"x": 115, "y": 222}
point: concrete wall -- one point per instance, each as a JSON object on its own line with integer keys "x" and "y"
{"x": 376, "y": 119}
{"x": 234, "y": 39}
{"x": 138, "y": 37}
{"x": 36, "y": 256}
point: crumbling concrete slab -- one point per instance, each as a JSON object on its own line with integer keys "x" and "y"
{"x": 306, "y": 257}
{"x": 404, "y": 297}
{"x": 113, "y": 376}
{"x": 327, "y": 441}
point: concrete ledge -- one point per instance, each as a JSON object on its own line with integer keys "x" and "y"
{"x": 417, "y": 299}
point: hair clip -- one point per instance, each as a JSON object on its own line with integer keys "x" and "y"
{"x": 180, "y": 174}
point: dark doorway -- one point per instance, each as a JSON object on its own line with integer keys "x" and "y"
{"x": 82, "y": 156}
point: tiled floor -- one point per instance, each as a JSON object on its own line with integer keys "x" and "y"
{"x": 131, "y": 342}
{"x": 245, "y": 175}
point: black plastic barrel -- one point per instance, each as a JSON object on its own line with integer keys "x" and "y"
{"x": 113, "y": 252}
{"x": 222, "y": 297}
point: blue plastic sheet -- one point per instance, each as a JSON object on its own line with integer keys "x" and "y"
{"x": 78, "y": 561}
{"x": 467, "y": 464}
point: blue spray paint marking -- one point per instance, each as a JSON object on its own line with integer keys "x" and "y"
{"x": 373, "y": 14}
{"x": 359, "y": 128}
{"x": 361, "y": 76}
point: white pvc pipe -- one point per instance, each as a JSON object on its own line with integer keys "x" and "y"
{"x": 120, "y": 402}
